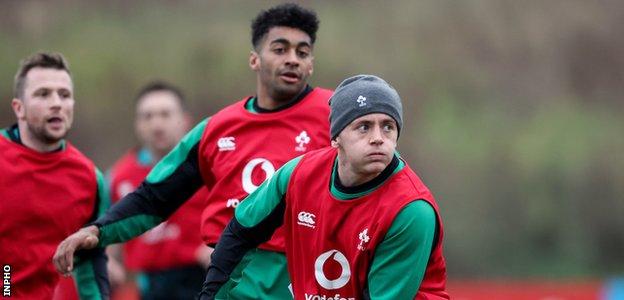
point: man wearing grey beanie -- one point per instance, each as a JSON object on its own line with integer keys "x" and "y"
{"x": 358, "y": 222}
{"x": 372, "y": 95}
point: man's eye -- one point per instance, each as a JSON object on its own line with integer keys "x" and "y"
{"x": 303, "y": 54}
{"x": 279, "y": 50}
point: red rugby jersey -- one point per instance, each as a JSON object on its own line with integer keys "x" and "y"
{"x": 331, "y": 243}
{"x": 44, "y": 197}
{"x": 172, "y": 243}
{"x": 240, "y": 149}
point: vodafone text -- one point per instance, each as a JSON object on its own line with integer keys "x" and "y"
{"x": 324, "y": 297}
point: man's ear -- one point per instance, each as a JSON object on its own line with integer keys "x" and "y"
{"x": 254, "y": 60}
{"x": 18, "y": 108}
{"x": 335, "y": 142}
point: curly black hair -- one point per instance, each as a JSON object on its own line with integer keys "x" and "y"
{"x": 288, "y": 15}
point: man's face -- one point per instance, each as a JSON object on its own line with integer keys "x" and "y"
{"x": 368, "y": 143}
{"x": 283, "y": 62}
{"x": 160, "y": 121}
{"x": 47, "y": 104}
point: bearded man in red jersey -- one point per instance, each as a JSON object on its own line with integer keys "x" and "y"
{"x": 48, "y": 189}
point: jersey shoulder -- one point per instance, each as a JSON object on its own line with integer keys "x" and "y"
{"x": 320, "y": 97}
{"x": 323, "y": 93}
{"x": 74, "y": 154}
{"x": 233, "y": 109}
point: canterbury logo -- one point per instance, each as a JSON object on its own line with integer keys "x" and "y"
{"x": 226, "y": 143}
{"x": 306, "y": 219}
{"x": 319, "y": 274}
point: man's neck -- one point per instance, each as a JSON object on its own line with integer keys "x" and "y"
{"x": 145, "y": 156}
{"x": 28, "y": 140}
{"x": 342, "y": 192}
{"x": 269, "y": 102}
{"x": 156, "y": 156}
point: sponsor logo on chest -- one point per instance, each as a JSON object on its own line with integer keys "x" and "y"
{"x": 247, "y": 182}
{"x": 364, "y": 239}
{"x": 333, "y": 283}
{"x": 302, "y": 140}
{"x": 305, "y": 218}
{"x": 226, "y": 143}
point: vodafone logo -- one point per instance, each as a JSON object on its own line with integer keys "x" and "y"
{"x": 319, "y": 274}
{"x": 266, "y": 166}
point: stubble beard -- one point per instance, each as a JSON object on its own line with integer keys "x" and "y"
{"x": 285, "y": 94}
{"x": 43, "y": 135}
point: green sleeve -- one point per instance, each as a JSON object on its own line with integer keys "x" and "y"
{"x": 259, "y": 204}
{"x": 4, "y": 133}
{"x": 400, "y": 260}
{"x": 86, "y": 278}
{"x": 104, "y": 200}
{"x": 90, "y": 274}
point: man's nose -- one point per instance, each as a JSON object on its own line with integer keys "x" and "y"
{"x": 55, "y": 100}
{"x": 376, "y": 135}
{"x": 292, "y": 58}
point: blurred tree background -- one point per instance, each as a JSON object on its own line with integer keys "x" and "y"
{"x": 513, "y": 108}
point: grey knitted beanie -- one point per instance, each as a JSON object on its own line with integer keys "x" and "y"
{"x": 362, "y": 95}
